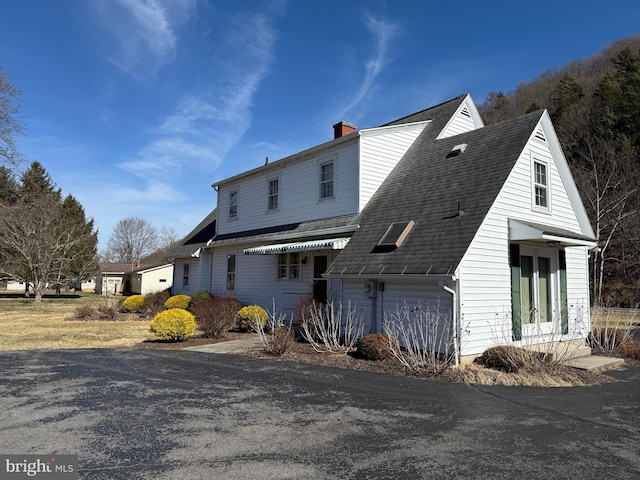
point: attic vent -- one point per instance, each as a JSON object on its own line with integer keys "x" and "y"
{"x": 457, "y": 150}
{"x": 465, "y": 112}
{"x": 395, "y": 234}
{"x": 539, "y": 135}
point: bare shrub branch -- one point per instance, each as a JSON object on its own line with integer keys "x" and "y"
{"x": 331, "y": 328}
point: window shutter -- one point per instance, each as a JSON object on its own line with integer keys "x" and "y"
{"x": 564, "y": 308}
{"x": 516, "y": 308}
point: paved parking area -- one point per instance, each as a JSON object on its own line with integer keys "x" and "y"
{"x": 143, "y": 414}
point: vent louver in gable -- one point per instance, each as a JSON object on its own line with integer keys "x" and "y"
{"x": 539, "y": 135}
{"x": 465, "y": 112}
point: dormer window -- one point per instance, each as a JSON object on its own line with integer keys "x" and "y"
{"x": 540, "y": 185}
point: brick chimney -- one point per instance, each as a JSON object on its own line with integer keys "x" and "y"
{"x": 343, "y": 128}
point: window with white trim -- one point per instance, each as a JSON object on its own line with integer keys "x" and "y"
{"x": 233, "y": 204}
{"x": 288, "y": 266}
{"x": 185, "y": 275}
{"x": 231, "y": 272}
{"x": 326, "y": 180}
{"x": 540, "y": 185}
{"x": 274, "y": 191}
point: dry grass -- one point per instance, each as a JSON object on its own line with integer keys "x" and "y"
{"x": 25, "y": 325}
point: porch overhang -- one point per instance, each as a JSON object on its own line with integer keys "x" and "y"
{"x": 311, "y": 245}
{"x": 534, "y": 232}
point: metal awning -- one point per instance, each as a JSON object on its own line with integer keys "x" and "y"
{"x": 325, "y": 244}
{"x": 528, "y": 231}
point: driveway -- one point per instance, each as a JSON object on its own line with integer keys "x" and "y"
{"x": 142, "y": 414}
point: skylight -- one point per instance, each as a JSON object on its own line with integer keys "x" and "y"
{"x": 395, "y": 234}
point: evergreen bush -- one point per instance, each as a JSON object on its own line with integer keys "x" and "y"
{"x": 199, "y": 297}
{"x": 174, "y": 324}
{"x": 134, "y": 303}
{"x": 249, "y": 317}
{"x": 178, "y": 301}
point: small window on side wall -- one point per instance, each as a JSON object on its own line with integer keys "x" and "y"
{"x": 274, "y": 190}
{"x": 540, "y": 185}
{"x": 233, "y": 204}
{"x": 326, "y": 180}
{"x": 231, "y": 272}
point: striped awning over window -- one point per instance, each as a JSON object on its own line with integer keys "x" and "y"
{"x": 325, "y": 244}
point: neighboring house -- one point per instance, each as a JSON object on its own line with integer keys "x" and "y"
{"x": 148, "y": 279}
{"x": 434, "y": 210}
{"x": 110, "y": 278}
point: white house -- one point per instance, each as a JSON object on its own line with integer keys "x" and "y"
{"x": 149, "y": 279}
{"x": 484, "y": 224}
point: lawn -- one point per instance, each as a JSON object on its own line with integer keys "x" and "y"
{"x": 26, "y": 325}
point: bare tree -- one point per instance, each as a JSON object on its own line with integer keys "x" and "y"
{"x": 132, "y": 238}
{"x": 10, "y": 125}
{"x": 37, "y": 246}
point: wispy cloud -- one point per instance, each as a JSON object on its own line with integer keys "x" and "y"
{"x": 208, "y": 121}
{"x": 143, "y": 32}
{"x": 382, "y": 32}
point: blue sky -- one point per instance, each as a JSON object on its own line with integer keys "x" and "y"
{"x": 136, "y": 107}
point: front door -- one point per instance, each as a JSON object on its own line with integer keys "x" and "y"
{"x": 538, "y": 293}
{"x": 320, "y": 263}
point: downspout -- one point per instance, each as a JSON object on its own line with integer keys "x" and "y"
{"x": 456, "y": 326}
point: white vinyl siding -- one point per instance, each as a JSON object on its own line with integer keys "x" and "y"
{"x": 486, "y": 306}
{"x": 397, "y": 295}
{"x": 297, "y": 202}
{"x": 380, "y": 151}
{"x": 256, "y": 279}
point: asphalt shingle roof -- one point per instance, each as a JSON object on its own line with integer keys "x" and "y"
{"x": 429, "y": 186}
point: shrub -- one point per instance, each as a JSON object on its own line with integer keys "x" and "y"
{"x": 154, "y": 302}
{"x": 374, "y": 346}
{"x": 107, "y": 312}
{"x": 507, "y": 358}
{"x": 279, "y": 340}
{"x": 85, "y": 311}
{"x": 178, "y": 301}
{"x": 174, "y": 324}
{"x": 607, "y": 340}
{"x": 631, "y": 348}
{"x": 216, "y": 315}
{"x": 134, "y": 303}
{"x": 199, "y": 297}
{"x": 249, "y": 317}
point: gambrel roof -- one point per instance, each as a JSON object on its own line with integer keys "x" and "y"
{"x": 446, "y": 193}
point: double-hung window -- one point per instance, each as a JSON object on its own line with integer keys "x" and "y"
{"x": 274, "y": 190}
{"x": 233, "y": 204}
{"x": 540, "y": 185}
{"x": 288, "y": 266}
{"x": 326, "y": 180}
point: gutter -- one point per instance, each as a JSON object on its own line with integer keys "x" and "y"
{"x": 456, "y": 323}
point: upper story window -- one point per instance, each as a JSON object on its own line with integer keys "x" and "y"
{"x": 233, "y": 204}
{"x": 326, "y": 180}
{"x": 274, "y": 190}
{"x": 541, "y": 185}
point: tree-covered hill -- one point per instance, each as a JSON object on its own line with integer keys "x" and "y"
{"x": 595, "y": 106}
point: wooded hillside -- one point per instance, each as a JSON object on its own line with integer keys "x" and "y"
{"x": 595, "y": 107}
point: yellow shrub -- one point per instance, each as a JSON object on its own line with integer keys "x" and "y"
{"x": 174, "y": 324}
{"x": 248, "y": 317}
{"x": 178, "y": 301}
{"x": 134, "y": 303}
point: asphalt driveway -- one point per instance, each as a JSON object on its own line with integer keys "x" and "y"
{"x": 143, "y": 414}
